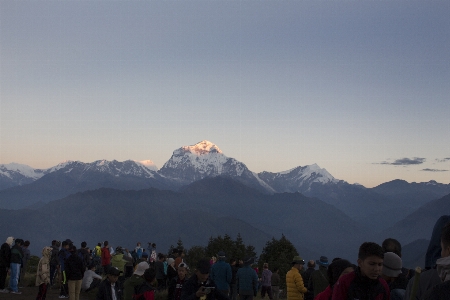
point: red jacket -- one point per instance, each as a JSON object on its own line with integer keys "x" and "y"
{"x": 325, "y": 295}
{"x": 106, "y": 256}
{"x": 355, "y": 286}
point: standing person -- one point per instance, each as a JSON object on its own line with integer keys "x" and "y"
{"x": 85, "y": 255}
{"x": 309, "y": 295}
{"x": 106, "y": 257}
{"x": 233, "y": 287}
{"x": 176, "y": 284}
{"x": 75, "y": 269}
{"x": 294, "y": 281}
{"x": 16, "y": 261}
{"x": 5, "y": 261}
{"x": 365, "y": 282}
{"x": 266, "y": 282}
{"x": 54, "y": 261}
{"x": 221, "y": 274}
{"x": 336, "y": 270}
{"x": 135, "y": 280}
{"x": 160, "y": 276}
{"x": 43, "y": 273}
{"x": 247, "y": 280}
{"x": 25, "y": 258}
{"x": 275, "y": 282}
{"x": 138, "y": 250}
{"x": 63, "y": 254}
{"x": 171, "y": 271}
{"x": 318, "y": 281}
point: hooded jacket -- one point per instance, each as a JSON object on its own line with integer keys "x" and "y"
{"x": 43, "y": 269}
{"x": 5, "y": 252}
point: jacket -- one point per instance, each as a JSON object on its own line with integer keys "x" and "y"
{"x": 130, "y": 284}
{"x": 246, "y": 281}
{"x": 175, "y": 288}
{"x": 43, "y": 268}
{"x": 16, "y": 254}
{"x": 5, "y": 255}
{"x": 356, "y": 286}
{"x": 118, "y": 262}
{"x": 146, "y": 291}
{"x": 318, "y": 281}
{"x": 104, "y": 290}
{"x": 192, "y": 285}
{"x": 74, "y": 267}
{"x": 221, "y": 274}
{"x": 106, "y": 256}
{"x": 325, "y": 295}
{"x": 294, "y": 285}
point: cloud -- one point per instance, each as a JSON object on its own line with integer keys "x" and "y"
{"x": 405, "y": 161}
{"x": 443, "y": 160}
{"x": 433, "y": 170}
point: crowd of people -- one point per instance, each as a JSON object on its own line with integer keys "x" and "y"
{"x": 118, "y": 273}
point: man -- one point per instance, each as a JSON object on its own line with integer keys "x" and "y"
{"x": 392, "y": 273}
{"x": 16, "y": 261}
{"x": 275, "y": 282}
{"x": 84, "y": 253}
{"x": 25, "y": 258}
{"x": 294, "y": 281}
{"x": 176, "y": 284}
{"x": 318, "y": 281}
{"x": 365, "y": 282}
{"x": 200, "y": 285}
{"x": 63, "y": 254}
{"x": 160, "y": 275}
{"x": 309, "y": 295}
{"x": 135, "y": 280}
{"x": 106, "y": 257}
{"x": 247, "y": 280}
{"x": 234, "y": 269}
{"x": 221, "y": 274}
{"x": 266, "y": 282}
{"x": 5, "y": 261}
{"x": 109, "y": 288}
{"x": 54, "y": 261}
{"x": 392, "y": 245}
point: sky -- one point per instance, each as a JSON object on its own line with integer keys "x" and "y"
{"x": 362, "y": 88}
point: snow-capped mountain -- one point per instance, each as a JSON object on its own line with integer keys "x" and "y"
{"x": 205, "y": 159}
{"x": 14, "y": 174}
{"x": 299, "y": 179}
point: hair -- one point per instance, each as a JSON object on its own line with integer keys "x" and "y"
{"x": 83, "y": 244}
{"x": 149, "y": 274}
{"x": 392, "y": 245}
{"x": 64, "y": 243}
{"x": 232, "y": 260}
{"x": 73, "y": 248}
{"x": 311, "y": 264}
{"x": 53, "y": 242}
{"x": 138, "y": 243}
{"x": 18, "y": 242}
{"x": 105, "y": 243}
{"x": 265, "y": 265}
{"x": 26, "y": 243}
{"x": 336, "y": 268}
{"x": 445, "y": 235}
{"x": 99, "y": 244}
{"x": 160, "y": 256}
{"x": 370, "y": 249}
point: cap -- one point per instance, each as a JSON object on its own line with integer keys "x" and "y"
{"x": 140, "y": 268}
{"x": 298, "y": 260}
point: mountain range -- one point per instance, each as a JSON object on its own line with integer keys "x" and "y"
{"x": 305, "y": 202}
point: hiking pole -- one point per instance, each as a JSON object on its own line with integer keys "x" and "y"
{"x": 415, "y": 286}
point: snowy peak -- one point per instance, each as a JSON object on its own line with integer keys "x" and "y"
{"x": 148, "y": 164}
{"x": 201, "y": 148}
{"x": 24, "y": 170}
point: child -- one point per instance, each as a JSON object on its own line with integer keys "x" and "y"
{"x": 43, "y": 273}
{"x": 176, "y": 284}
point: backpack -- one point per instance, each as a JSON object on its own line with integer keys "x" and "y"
{"x": 144, "y": 292}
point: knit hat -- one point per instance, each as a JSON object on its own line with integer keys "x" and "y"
{"x": 10, "y": 240}
{"x": 170, "y": 261}
{"x": 392, "y": 264}
{"x": 141, "y": 267}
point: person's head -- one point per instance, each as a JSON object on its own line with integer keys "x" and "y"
{"x": 392, "y": 266}
{"x": 73, "y": 249}
{"x": 92, "y": 266}
{"x": 298, "y": 263}
{"x": 182, "y": 270}
{"x": 99, "y": 244}
{"x": 171, "y": 262}
{"x": 119, "y": 250}
{"x": 149, "y": 275}
{"x": 339, "y": 268}
{"x": 161, "y": 257}
{"x": 113, "y": 274}
{"x": 83, "y": 244}
{"x": 138, "y": 244}
{"x": 221, "y": 255}
{"x": 10, "y": 240}
{"x": 232, "y": 261}
{"x": 26, "y": 243}
{"x": 105, "y": 244}
{"x": 140, "y": 268}
{"x": 53, "y": 242}
{"x": 370, "y": 259}
{"x": 265, "y": 266}
{"x": 392, "y": 245}
{"x": 445, "y": 241}
{"x": 202, "y": 270}
{"x": 276, "y": 269}
{"x": 311, "y": 264}
{"x": 18, "y": 242}
{"x": 65, "y": 245}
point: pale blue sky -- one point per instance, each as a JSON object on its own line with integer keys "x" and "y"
{"x": 354, "y": 86}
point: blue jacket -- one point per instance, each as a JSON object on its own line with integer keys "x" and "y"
{"x": 247, "y": 281}
{"x": 221, "y": 274}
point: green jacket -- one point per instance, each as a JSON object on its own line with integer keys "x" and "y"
{"x": 129, "y": 284}
{"x": 118, "y": 262}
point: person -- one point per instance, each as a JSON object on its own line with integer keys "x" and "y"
{"x": 309, "y": 295}
{"x": 234, "y": 269}
{"x": 392, "y": 273}
{"x": 118, "y": 261}
{"x": 393, "y": 245}
{"x": 160, "y": 276}
{"x": 43, "y": 273}
{"x": 442, "y": 267}
{"x": 54, "y": 261}
{"x": 336, "y": 270}
{"x": 247, "y": 280}
{"x": 25, "y": 258}
{"x": 146, "y": 291}
{"x": 109, "y": 288}
{"x": 275, "y": 283}
{"x": 318, "y": 281}
{"x": 221, "y": 273}
{"x": 135, "y": 280}
{"x": 16, "y": 261}
{"x": 365, "y": 282}
{"x": 84, "y": 254}
{"x": 138, "y": 250}
{"x": 171, "y": 271}
{"x": 294, "y": 281}
{"x": 266, "y": 282}
{"x": 74, "y": 268}
{"x": 63, "y": 254}
{"x": 106, "y": 257}
{"x": 5, "y": 261}
{"x": 200, "y": 285}
{"x": 176, "y": 284}
{"x": 430, "y": 277}
{"x": 91, "y": 280}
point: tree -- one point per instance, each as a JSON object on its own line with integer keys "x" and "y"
{"x": 278, "y": 254}
{"x": 233, "y": 249}
{"x": 193, "y": 255}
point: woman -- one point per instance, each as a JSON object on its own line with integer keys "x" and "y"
{"x": 74, "y": 272}
{"x": 335, "y": 270}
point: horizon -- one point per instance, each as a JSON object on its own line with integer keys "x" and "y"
{"x": 359, "y": 88}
